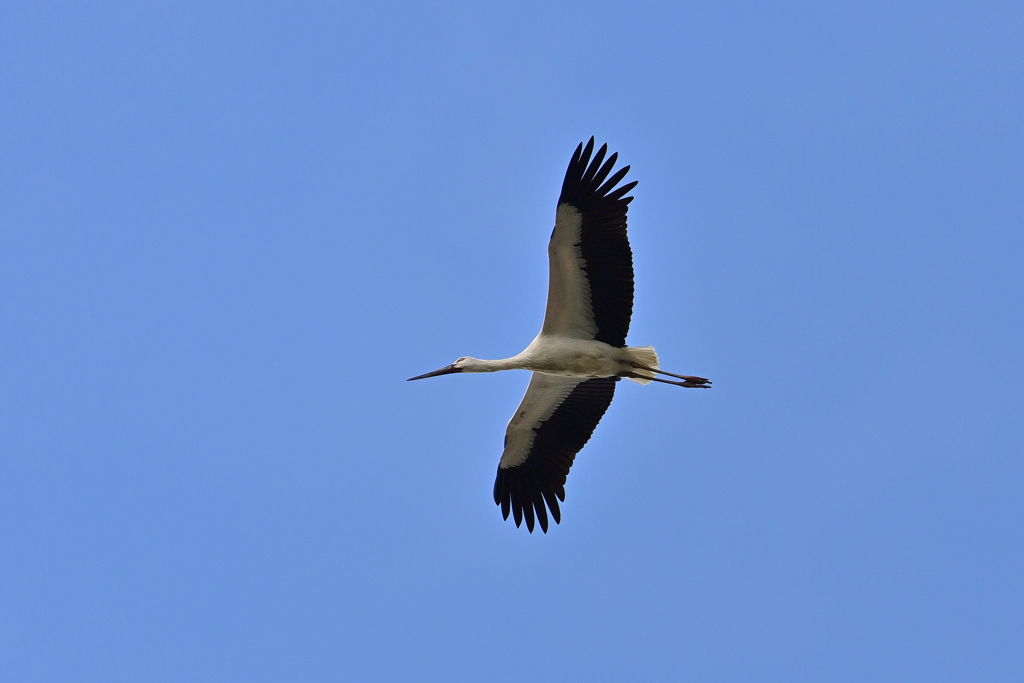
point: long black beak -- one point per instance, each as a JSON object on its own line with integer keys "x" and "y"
{"x": 447, "y": 370}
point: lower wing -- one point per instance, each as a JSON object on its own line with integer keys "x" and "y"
{"x": 551, "y": 425}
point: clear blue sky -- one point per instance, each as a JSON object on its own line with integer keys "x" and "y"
{"x": 229, "y": 233}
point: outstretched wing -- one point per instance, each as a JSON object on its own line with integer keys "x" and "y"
{"x": 551, "y": 425}
{"x": 590, "y": 282}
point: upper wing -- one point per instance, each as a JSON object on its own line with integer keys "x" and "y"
{"x": 590, "y": 283}
{"x": 551, "y": 425}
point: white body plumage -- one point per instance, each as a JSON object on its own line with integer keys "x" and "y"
{"x": 565, "y": 357}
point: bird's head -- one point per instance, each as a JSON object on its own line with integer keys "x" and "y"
{"x": 464, "y": 364}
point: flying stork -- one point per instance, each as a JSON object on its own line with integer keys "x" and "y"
{"x": 581, "y": 350}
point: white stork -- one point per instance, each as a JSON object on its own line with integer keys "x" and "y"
{"x": 581, "y": 350}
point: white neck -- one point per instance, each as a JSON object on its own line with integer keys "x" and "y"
{"x": 481, "y": 365}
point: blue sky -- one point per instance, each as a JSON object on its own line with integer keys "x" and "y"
{"x": 228, "y": 233}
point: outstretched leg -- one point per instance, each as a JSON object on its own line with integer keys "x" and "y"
{"x": 689, "y": 381}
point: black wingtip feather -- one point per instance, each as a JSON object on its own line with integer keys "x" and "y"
{"x": 617, "y": 194}
{"x": 572, "y": 164}
{"x": 552, "y": 502}
{"x": 542, "y": 515}
{"x": 613, "y": 181}
{"x": 576, "y": 155}
{"x": 517, "y": 505}
{"x": 603, "y": 173}
{"x": 585, "y": 157}
{"x": 588, "y": 175}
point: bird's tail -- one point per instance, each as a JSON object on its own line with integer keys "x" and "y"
{"x": 646, "y": 356}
